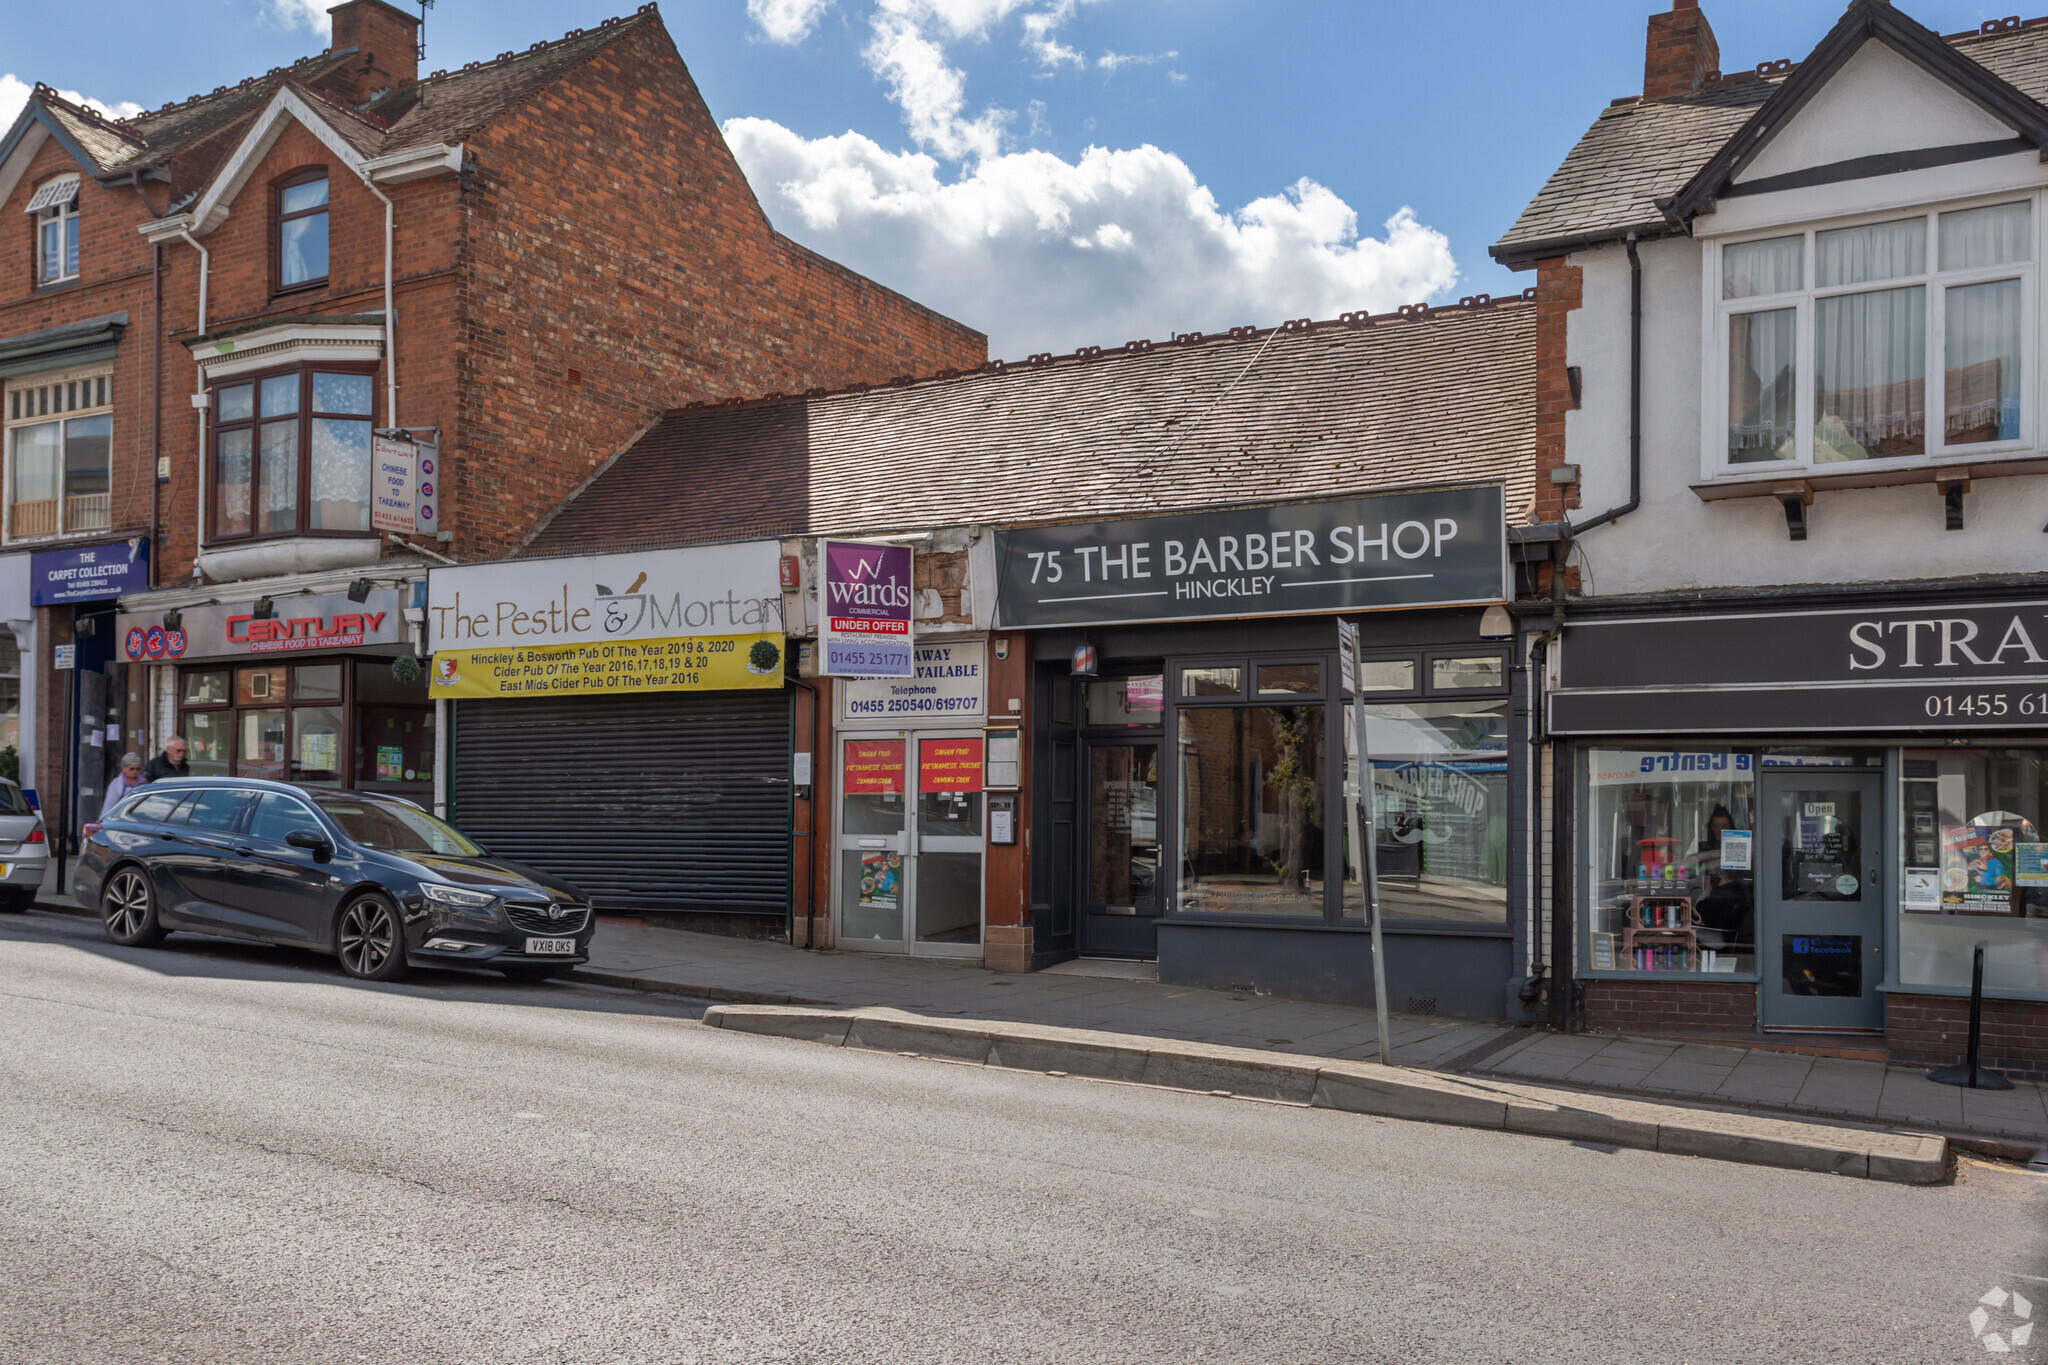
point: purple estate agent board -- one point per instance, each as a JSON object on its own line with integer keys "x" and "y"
{"x": 864, "y": 619}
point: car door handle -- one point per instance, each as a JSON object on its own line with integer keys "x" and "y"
{"x": 244, "y": 850}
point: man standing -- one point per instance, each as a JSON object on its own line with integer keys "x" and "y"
{"x": 170, "y": 763}
{"x": 127, "y": 781}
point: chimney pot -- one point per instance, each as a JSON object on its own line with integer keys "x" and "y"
{"x": 1679, "y": 52}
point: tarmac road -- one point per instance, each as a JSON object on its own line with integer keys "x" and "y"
{"x": 223, "y": 1153}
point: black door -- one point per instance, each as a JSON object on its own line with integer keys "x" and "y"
{"x": 196, "y": 858}
{"x": 272, "y": 882}
{"x": 1120, "y": 871}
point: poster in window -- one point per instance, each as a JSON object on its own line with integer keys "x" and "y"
{"x": 319, "y": 750}
{"x": 881, "y": 880}
{"x": 1923, "y": 890}
{"x": 1977, "y": 869}
{"x": 2030, "y": 864}
{"x": 390, "y": 763}
{"x": 1737, "y": 850}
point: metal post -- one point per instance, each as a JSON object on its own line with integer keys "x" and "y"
{"x": 1366, "y": 841}
{"x": 1971, "y": 1074}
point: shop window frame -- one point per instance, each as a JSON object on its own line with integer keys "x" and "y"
{"x": 290, "y": 703}
{"x": 1247, "y": 697}
{"x": 56, "y": 398}
{"x": 304, "y": 417}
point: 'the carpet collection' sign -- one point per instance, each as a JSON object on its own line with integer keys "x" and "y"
{"x": 1442, "y": 548}
{"x": 864, "y": 609}
{"x": 88, "y": 573}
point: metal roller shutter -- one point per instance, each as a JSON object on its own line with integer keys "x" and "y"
{"x": 674, "y": 801}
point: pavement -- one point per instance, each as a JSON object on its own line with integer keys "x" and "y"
{"x": 745, "y": 971}
{"x": 230, "y": 1153}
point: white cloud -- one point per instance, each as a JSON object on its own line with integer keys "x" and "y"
{"x": 1113, "y": 62}
{"x": 1046, "y": 254}
{"x": 930, "y": 92}
{"x": 786, "y": 21}
{"x": 306, "y": 14}
{"x": 14, "y": 93}
{"x": 1039, "y": 40}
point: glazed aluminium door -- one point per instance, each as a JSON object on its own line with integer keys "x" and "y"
{"x": 1820, "y": 900}
{"x": 1120, "y": 873}
{"x": 911, "y": 835}
{"x": 874, "y": 843}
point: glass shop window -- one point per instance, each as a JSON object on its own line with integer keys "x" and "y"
{"x": 1440, "y": 810}
{"x": 1251, "y": 808}
{"x": 1670, "y": 877}
{"x": 1133, "y": 701}
{"x": 1971, "y": 828}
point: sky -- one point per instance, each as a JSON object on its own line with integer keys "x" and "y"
{"x": 1063, "y": 173}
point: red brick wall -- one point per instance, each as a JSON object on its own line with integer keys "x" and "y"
{"x": 1669, "y": 1006}
{"x": 1934, "y": 1030}
{"x": 1679, "y": 52}
{"x": 618, "y": 264}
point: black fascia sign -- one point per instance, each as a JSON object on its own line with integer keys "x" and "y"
{"x": 1444, "y": 548}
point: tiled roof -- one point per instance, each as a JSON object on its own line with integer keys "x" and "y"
{"x": 1639, "y": 151}
{"x": 1430, "y": 397}
{"x": 449, "y": 105}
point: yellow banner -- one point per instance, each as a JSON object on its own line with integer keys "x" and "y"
{"x": 704, "y": 663}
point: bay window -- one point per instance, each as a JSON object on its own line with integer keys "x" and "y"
{"x": 59, "y": 443}
{"x": 1840, "y": 342}
{"x": 291, "y": 453}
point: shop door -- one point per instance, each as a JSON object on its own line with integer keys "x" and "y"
{"x": 1121, "y": 900}
{"x": 911, "y": 833}
{"x": 1820, "y": 901}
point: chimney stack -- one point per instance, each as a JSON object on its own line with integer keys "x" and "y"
{"x": 386, "y": 40}
{"x": 1680, "y": 52}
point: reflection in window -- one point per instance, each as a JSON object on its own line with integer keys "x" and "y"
{"x": 1440, "y": 808}
{"x": 1763, "y": 374}
{"x": 1871, "y": 353}
{"x": 1976, "y": 867}
{"x": 1663, "y": 890}
{"x": 1251, "y": 810}
{"x": 1123, "y": 824}
{"x": 1281, "y": 679}
{"x": 1450, "y": 675}
{"x": 1211, "y": 682}
{"x": 1126, "y": 701}
{"x": 1386, "y": 675}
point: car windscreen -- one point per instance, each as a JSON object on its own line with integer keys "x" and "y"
{"x": 402, "y": 829}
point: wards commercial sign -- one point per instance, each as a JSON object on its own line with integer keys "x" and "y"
{"x": 1446, "y": 548}
{"x": 703, "y": 619}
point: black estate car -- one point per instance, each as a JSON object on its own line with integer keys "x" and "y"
{"x": 373, "y": 879}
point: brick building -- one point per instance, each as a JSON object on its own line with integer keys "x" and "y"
{"x": 206, "y": 312}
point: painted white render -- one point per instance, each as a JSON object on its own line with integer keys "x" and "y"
{"x": 1679, "y": 541}
{"x": 1878, "y": 102}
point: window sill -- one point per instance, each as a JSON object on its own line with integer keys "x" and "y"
{"x": 1962, "y": 992}
{"x": 289, "y": 555}
{"x": 1821, "y": 478}
{"x": 293, "y": 291}
{"x": 57, "y": 286}
{"x": 63, "y": 537}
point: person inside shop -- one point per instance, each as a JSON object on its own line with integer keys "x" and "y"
{"x": 170, "y": 763}
{"x": 127, "y": 780}
{"x": 1725, "y": 906}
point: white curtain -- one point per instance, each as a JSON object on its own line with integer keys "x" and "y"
{"x": 341, "y": 475}
{"x": 1981, "y": 379}
{"x": 277, "y": 479}
{"x": 231, "y": 473}
{"x": 1870, "y": 398}
{"x": 1972, "y": 239}
{"x": 1762, "y": 389}
{"x": 1752, "y": 268}
{"x": 36, "y": 453}
{"x": 1881, "y": 251}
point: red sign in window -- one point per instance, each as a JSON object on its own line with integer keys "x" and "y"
{"x": 874, "y": 767}
{"x": 949, "y": 765}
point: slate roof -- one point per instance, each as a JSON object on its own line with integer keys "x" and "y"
{"x": 195, "y": 135}
{"x": 1638, "y": 151}
{"x": 1427, "y": 398}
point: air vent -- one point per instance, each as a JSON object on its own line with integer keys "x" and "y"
{"x": 1422, "y": 1004}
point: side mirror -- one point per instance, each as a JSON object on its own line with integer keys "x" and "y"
{"x": 313, "y": 841}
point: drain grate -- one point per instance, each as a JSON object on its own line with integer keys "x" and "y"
{"x": 1422, "y": 1004}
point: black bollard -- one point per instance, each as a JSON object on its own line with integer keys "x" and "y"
{"x": 1971, "y": 1073}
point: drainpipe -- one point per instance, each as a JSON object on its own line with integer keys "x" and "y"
{"x": 156, "y": 377}
{"x": 199, "y": 399}
{"x": 390, "y": 316}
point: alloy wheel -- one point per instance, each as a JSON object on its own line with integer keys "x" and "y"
{"x": 127, "y": 904}
{"x": 369, "y": 936}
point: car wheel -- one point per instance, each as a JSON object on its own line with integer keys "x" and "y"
{"x": 370, "y": 940}
{"x": 16, "y": 902}
{"x": 128, "y": 907}
{"x": 525, "y": 972}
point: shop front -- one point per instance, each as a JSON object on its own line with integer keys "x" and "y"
{"x": 1194, "y": 745}
{"x": 623, "y": 721}
{"x": 319, "y": 689}
{"x": 1808, "y": 821}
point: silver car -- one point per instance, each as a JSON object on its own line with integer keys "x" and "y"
{"x": 24, "y": 850}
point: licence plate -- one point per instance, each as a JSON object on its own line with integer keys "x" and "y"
{"x": 538, "y": 946}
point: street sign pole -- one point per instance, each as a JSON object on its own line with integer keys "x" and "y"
{"x": 1365, "y": 840}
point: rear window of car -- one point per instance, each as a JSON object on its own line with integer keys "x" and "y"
{"x": 155, "y": 807}
{"x": 216, "y": 809}
{"x": 12, "y": 802}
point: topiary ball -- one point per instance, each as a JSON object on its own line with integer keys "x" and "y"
{"x": 405, "y": 668}
{"x": 764, "y": 656}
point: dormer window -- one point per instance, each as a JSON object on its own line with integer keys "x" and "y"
{"x": 55, "y": 211}
{"x": 1828, "y": 337}
{"x": 302, "y": 231}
